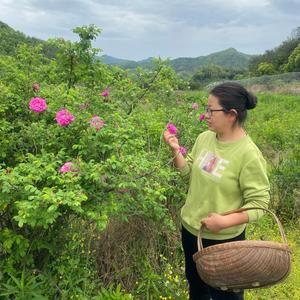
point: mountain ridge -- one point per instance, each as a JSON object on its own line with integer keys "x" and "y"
{"x": 228, "y": 58}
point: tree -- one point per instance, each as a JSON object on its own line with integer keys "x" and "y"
{"x": 77, "y": 60}
{"x": 266, "y": 68}
{"x": 207, "y": 74}
{"x": 277, "y": 56}
{"x": 293, "y": 64}
{"x": 296, "y": 33}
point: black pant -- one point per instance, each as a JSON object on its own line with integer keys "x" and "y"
{"x": 199, "y": 290}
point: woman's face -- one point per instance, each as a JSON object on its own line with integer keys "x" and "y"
{"x": 215, "y": 116}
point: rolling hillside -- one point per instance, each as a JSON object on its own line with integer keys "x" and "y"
{"x": 10, "y": 39}
{"x": 229, "y": 58}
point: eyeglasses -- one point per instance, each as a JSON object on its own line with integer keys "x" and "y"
{"x": 209, "y": 111}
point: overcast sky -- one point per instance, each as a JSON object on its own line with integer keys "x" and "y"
{"x": 172, "y": 28}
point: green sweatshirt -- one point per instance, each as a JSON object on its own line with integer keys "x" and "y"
{"x": 223, "y": 176}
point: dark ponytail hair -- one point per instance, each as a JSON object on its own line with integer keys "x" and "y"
{"x": 232, "y": 95}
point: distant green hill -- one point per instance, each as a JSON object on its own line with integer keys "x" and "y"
{"x": 10, "y": 39}
{"x": 124, "y": 63}
{"x": 229, "y": 58}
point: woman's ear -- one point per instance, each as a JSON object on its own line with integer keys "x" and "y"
{"x": 233, "y": 114}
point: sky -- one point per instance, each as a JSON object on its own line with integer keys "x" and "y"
{"x": 139, "y": 29}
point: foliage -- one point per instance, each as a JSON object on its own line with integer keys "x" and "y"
{"x": 277, "y": 139}
{"x": 265, "y": 68}
{"x": 11, "y": 39}
{"x": 280, "y": 83}
{"x": 278, "y": 56}
{"x": 25, "y": 287}
{"x": 116, "y": 172}
{"x": 293, "y": 64}
{"x": 213, "y": 73}
{"x": 76, "y": 61}
{"x": 112, "y": 294}
{"x": 165, "y": 285}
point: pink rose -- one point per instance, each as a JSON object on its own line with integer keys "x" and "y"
{"x": 195, "y": 106}
{"x": 202, "y": 117}
{"x": 97, "y": 122}
{"x": 64, "y": 117}
{"x": 183, "y": 150}
{"x": 37, "y": 105}
{"x": 172, "y": 128}
{"x": 67, "y": 167}
{"x": 105, "y": 93}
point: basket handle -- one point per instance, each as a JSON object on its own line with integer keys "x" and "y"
{"x": 199, "y": 241}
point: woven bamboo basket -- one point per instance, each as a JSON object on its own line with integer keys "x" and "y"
{"x": 235, "y": 266}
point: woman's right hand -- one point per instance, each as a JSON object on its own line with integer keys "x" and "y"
{"x": 171, "y": 140}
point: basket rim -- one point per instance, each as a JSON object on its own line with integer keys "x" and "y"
{"x": 242, "y": 244}
{"x": 243, "y": 209}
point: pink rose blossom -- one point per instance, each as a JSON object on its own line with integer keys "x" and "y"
{"x": 105, "y": 93}
{"x": 67, "y": 167}
{"x": 37, "y": 105}
{"x": 172, "y": 128}
{"x": 64, "y": 117}
{"x": 195, "y": 106}
{"x": 182, "y": 150}
{"x": 202, "y": 117}
{"x": 35, "y": 86}
{"x": 97, "y": 122}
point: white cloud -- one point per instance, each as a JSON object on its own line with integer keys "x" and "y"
{"x": 170, "y": 28}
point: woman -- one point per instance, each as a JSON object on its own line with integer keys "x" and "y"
{"x": 226, "y": 171}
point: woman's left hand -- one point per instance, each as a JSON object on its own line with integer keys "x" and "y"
{"x": 215, "y": 222}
